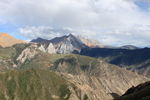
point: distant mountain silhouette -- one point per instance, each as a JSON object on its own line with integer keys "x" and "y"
{"x": 137, "y": 59}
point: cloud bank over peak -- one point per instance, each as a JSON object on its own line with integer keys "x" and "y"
{"x": 113, "y": 22}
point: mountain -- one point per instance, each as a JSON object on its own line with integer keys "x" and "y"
{"x": 7, "y": 40}
{"x": 67, "y": 44}
{"x": 40, "y": 40}
{"x": 135, "y": 60}
{"x": 129, "y": 47}
{"x": 86, "y": 78}
{"x": 90, "y": 42}
{"x": 63, "y": 45}
{"x": 140, "y": 92}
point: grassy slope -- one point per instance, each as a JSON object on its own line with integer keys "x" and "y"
{"x": 32, "y": 84}
{"x": 42, "y": 60}
{"x": 70, "y": 63}
{"x": 8, "y": 55}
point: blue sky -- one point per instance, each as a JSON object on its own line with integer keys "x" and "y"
{"x": 112, "y": 22}
{"x": 143, "y": 5}
{"x": 10, "y": 29}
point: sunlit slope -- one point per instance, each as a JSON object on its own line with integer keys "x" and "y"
{"x": 32, "y": 84}
{"x": 6, "y": 40}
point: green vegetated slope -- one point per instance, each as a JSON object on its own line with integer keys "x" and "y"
{"x": 32, "y": 84}
{"x": 8, "y": 56}
{"x": 11, "y": 52}
{"x": 6, "y": 53}
{"x": 141, "y": 92}
{"x": 69, "y": 63}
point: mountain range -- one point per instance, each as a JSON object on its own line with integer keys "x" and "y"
{"x": 135, "y": 60}
{"x": 65, "y": 44}
{"x": 68, "y": 68}
{"x": 128, "y": 56}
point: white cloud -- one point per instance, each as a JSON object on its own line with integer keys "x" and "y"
{"x": 110, "y": 21}
{"x": 46, "y": 32}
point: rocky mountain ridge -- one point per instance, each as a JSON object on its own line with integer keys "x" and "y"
{"x": 74, "y": 44}
{"x": 63, "y": 45}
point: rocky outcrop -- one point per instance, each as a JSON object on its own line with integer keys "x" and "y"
{"x": 27, "y": 54}
{"x": 64, "y": 48}
{"x": 32, "y": 50}
{"x": 42, "y": 48}
{"x": 50, "y": 49}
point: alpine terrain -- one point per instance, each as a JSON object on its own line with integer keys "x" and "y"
{"x": 54, "y": 70}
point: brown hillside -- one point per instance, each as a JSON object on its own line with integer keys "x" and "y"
{"x": 6, "y": 40}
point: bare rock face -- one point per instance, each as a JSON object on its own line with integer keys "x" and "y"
{"x": 67, "y": 44}
{"x": 28, "y": 53}
{"x": 63, "y": 45}
{"x": 42, "y": 48}
{"x": 50, "y": 49}
{"x": 64, "y": 48}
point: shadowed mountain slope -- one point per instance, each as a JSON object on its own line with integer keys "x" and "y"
{"x": 140, "y": 92}
{"x": 137, "y": 60}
